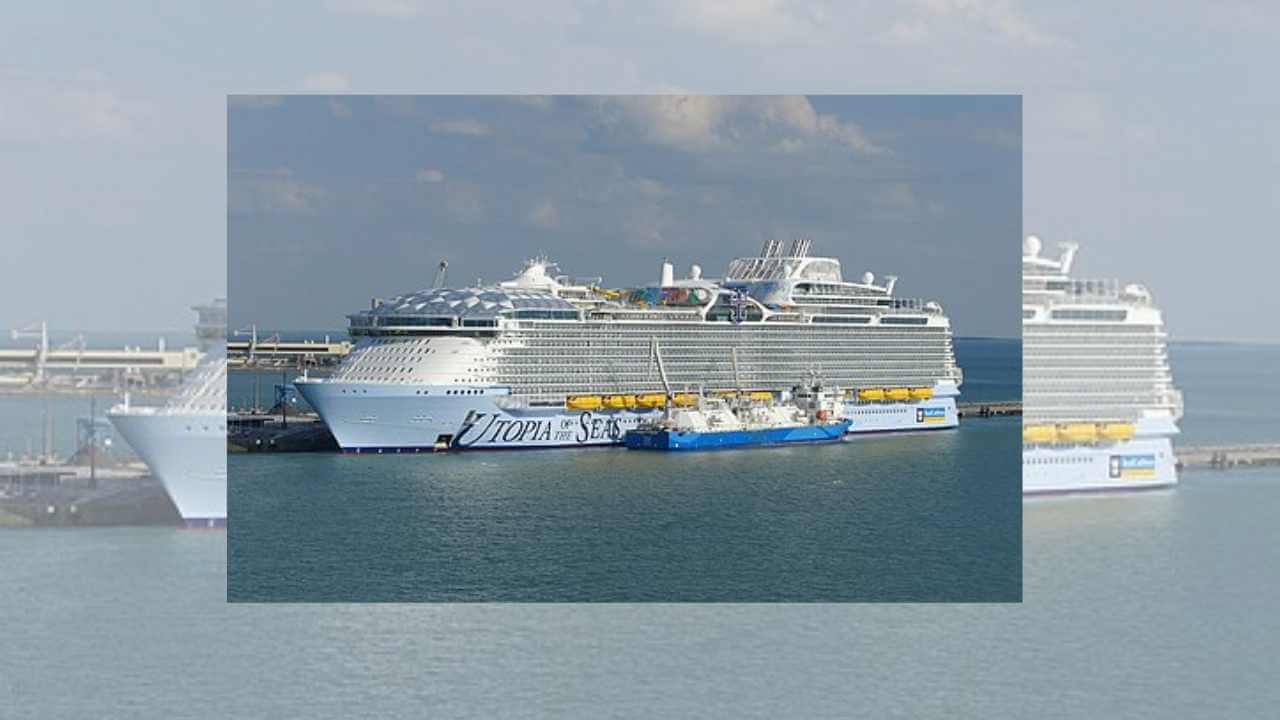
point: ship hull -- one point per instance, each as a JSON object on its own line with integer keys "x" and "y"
{"x": 720, "y": 440}
{"x": 1138, "y": 464}
{"x": 390, "y": 418}
{"x": 188, "y": 453}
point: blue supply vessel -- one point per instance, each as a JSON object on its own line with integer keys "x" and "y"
{"x": 666, "y": 438}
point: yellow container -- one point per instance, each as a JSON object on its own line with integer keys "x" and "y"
{"x": 921, "y": 393}
{"x": 652, "y": 400}
{"x": 1116, "y": 431}
{"x": 871, "y": 394}
{"x": 898, "y": 394}
{"x": 684, "y": 399}
{"x": 583, "y": 402}
{"x": 1078, "y": 433}
{"x": 1039, "y": 434}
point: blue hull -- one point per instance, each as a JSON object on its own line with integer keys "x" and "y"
{"x": 677, "y": 440}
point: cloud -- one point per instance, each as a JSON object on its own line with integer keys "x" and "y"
{"x": 254, "y": 102}
{"x": 253, "y": 191}
{"x": 544, "y": 216}
{"x": 339, "y": 109}
{"x": 460, "y": 127}
{"x": 934, "y": 18}
{"x": 537, "y": 102}
{"x": 430, "y": 175}
{"x": 380, "y": 8}
{"x": 326, "y": 82}
{"x": 42, "y": 107}
{"x": 756, "y": 22}
{"x": 704, "y": 123}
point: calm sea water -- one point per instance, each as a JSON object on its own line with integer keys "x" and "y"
{"x": 932, "y": 516}
{"x": 1153, "y": 605}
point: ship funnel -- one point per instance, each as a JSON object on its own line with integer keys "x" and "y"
{"x": 668, "y": 274}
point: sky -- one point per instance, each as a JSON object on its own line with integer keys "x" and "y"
{"x": 1150, "y": 130}
{"x": 337, "y": 199}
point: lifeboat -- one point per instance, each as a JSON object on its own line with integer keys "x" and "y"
{"x": 615, "y": 402}
{"x": 1116, "y": 431}
{"x": 898, "y": 394}
{"x": 921, "y": 393}
{"x": 584, "y": 402}
{"x": 871, "y": 394}
{"x": 1078, "y": 433}
{"x": 760, "y": 395}
{"x": 652, "y": 400}
{"x": 684, "y": 399}
{"x": 1039, "y": 434}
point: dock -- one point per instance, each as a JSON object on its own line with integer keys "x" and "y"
{"x": 48, "y": 494}
{"x": 1224, "y": 457}
{"x": 283, "y": 355}
{"x": 989, "y": 409}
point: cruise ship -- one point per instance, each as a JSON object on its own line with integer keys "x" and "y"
{"x": 184, "y": 441}
{"x": 1099, "y": 405}
{"x": 544, "y": 360}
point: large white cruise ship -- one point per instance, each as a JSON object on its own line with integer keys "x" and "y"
{"x": 184, "y": 441}
{"x": 1099, "y": 404}
{"x": 546, "y": 361}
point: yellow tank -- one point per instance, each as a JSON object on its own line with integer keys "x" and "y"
{"x": 1116, "y": 431}
{"x": 921, "y": 393}
{"x": 615, "y": 402}
{"x": 897, "y": 394}
{"x": 760, "y": 395}
{"x": 1078, "y": 433}
{"x": 871, "y": 394}
{"x": 684, "y": 399}
{"x": 583, "y": 402}
{"x": 1039, "y": 434}
{"x": 652, "y": 400}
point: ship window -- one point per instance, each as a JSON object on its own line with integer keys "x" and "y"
{"x": 895, "y": 320}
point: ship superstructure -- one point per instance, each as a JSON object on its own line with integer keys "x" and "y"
{"x": 184, "y": 441}
{"x": 546, "y": 360}
{"x": 1099, "y": 405}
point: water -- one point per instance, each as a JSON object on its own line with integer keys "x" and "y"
{"x": 1153, "y": 605}
{"x": 1231, "y": 392}
{"x": 1150, "y": 606}
{"x": 921, "y": 517}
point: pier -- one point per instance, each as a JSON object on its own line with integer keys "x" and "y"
{"x": 275, "y": 354}
{"x": 989, "y": 409}
{"x": 1224, "y": 457}
{"x": 77, "y": 368}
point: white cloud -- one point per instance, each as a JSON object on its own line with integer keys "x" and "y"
{"x": 544, "y": 216}
{"x": 430, "y": 175}
{"x": 460, "y": 127}
{"x": 271, "y": 191}
{"x": 339, "y": 109}
{"x": 326, "y": 82}
{"x": 254, "y": 102}
{"x": 935, "y": 18}
{"x": 702, "y": 123}
{"x": 537, "y": 102}
{"x": 758, "y": 22}
{"x": 40, "y": 107}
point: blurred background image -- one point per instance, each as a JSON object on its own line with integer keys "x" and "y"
{"x": 1149, "y": 139}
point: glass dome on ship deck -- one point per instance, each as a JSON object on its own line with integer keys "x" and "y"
{"x": 468, "y": 304}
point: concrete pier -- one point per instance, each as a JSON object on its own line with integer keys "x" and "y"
{"x": 1223, "y": 457}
